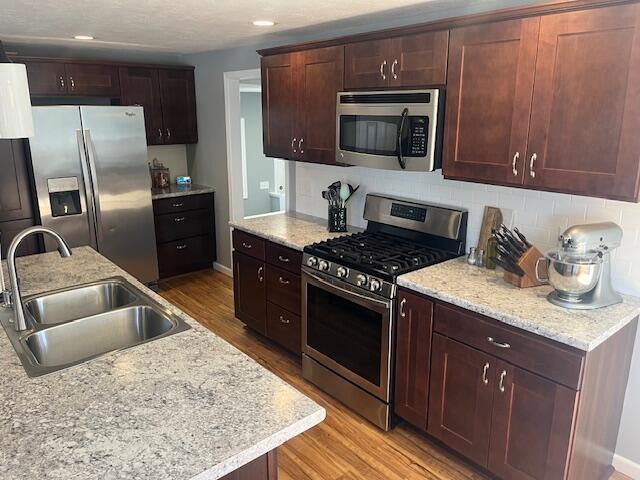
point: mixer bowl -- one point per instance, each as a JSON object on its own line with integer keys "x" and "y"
{"x": 573, "y": 275}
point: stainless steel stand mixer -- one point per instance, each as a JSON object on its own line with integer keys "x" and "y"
{"x": 580, "y": 270}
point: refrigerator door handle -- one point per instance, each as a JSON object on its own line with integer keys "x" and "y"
{"x": 88, "y": 187}
{"x": 91, "y": 161}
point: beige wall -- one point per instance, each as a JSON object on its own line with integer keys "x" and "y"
{"x": 174, "y": 157}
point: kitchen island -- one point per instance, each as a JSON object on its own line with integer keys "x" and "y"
{"x": 185, "y": 406}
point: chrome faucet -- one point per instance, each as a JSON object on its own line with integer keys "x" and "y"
{"x": 15, "y": 299}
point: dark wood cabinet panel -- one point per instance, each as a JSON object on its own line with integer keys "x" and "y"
{"x": 284, "y": 257}
{"x": 46, "y": 78}
{"x": 174, "y": 226}
{"x": 585, "y": 118}
{"x": 532, "y": 422}
{"x": 15, "y": 189}
{"x": 460, "y": 398}
{"x": 262, "y": 468}
{"x": 185, "y": 255}
{"x": 249, "y": 244}
{"x": 419, "y": 60}
{"x": 413, "y": 358}
{"x": 320, "y": 76}
{"x": 92, "y": 80}
{"x": 367, "y": 64}
{"x": 489, "y": 92}
{"x": 141, "y": 86}
{"x": 8, "y": 230}
{"x": 284, "y": 288}
{"x": 182, "y": 204}
{"x": 279, "y": 106}
{"x": 249, "y": 291}
{"x": 284, "y": 328}
{"x": 178, "y": 100}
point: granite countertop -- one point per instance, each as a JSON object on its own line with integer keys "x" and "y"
{"x": 174, "y": 190}
{"x": 185, "y": 406}
{"x": 485, "y": 292}
{"x": 291, "y": 229}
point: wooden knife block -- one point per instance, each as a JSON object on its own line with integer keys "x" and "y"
{"x": 527, "y": 263}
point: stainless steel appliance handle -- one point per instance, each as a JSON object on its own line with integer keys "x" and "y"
{"x": 88, "y": 188}
{"x": 92, "y": 158}
{"x": 514, "y": 164}
{"x": 485, "y": 370}
{"x": 532, "y": 165}
{"x": 493, "y": 341}
{"x": 393, "y": 69}
{"x": 382, "y": 65}
{"x": 344, "y": 291}
{"x": 502, "y": 377}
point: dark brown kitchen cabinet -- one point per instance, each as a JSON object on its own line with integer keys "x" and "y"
{"x": 92, "y": 80}
{"x": 141, "y": 86}
{"x": 409, "y": 61}
{"x": 46, "y": 78}
{"x": 413, "y": 358}
{"x": 249, "y": 291}
{"x": 262, "y": 468}
{"x": 178, "y": 99}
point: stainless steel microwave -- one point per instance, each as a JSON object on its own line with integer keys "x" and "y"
{"x": 392, "y": 130}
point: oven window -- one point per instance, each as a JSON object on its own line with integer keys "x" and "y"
{"x": 377, "y": 135}
{"x": 346, "y": 332}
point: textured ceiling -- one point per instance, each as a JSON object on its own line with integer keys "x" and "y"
{"x": 189, "y": 26}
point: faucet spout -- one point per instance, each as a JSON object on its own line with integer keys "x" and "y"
{"x": 16, "y": 298}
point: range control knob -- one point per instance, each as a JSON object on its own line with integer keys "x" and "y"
{"x": 312, "y": 261}
{"x": 323, "y": 266}
{"x": 361, "y": 280}
{"x": 342, "y": 272}
{"x": 374, "y": 285}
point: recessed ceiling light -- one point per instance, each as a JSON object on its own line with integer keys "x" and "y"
{"x": 264, "y": 23}
{"x": 83, "y": 37}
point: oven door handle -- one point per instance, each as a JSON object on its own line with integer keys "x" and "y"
{"x": 386, "y": 305}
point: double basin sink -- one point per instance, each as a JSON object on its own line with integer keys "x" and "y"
{"x": 74, "y": 325}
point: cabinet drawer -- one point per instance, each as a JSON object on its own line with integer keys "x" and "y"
{"x": 519, "y": 348}
{"x": 182, "y": 204}
{"x": 174, "y": 226}
{"x": 249, "y": 244}
{"x": 184, "y": 256}
{"x": 284, "y": 257}
{"x": 284, "y": 328}
{"x": 283, "y": 289}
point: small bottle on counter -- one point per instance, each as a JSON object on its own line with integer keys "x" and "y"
{"x": 472, "y": 258}
{"x": 480, "y": 259}
{"x": 491, "y": 254}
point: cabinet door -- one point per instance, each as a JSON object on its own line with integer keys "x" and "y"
{"x": 178, "y": 99}
{"x": 249, "y": 291}
{"x": 320, "y": 75}
{"x": 279, "y": 105}
{"x": 367, "y": 64}
{"x": 92, "y": 80}
{"x": 489, "y": 91}
{"x": 419, "y": 60}
{"x": 585, "y": 118}
{"x": 15, "y": 190}
{"x": 531, "y": 427}
{"x": 46, "y": 78}
{"x": 460, "y": 397}
{"x": 413, "y": 357}
{"x": 140, "y": 86}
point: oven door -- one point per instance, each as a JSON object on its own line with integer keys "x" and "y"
{"x": 348, "y": 331}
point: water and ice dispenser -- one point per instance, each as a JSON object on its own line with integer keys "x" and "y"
{"x": 64, "y": 196}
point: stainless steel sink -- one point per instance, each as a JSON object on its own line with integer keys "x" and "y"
{"x": 75, "y": 303}
{"x": 72, "y": 326}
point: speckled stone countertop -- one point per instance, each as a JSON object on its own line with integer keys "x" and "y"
{"x": 185, "y": 406}
{"x": 174, "y": 190}
{"x": 291, "y": 229}
{"x": 484, "y": 291}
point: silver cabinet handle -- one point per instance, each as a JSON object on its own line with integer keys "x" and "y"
{"x": 179, "y": 219}
{"x": 403, "y": 302}
{"x": 284, "y": 281}
{"x": 178, "y": 205}
{"x": 248, "y": 246}
{"x": 514, "y": 164}
{"x": 502, "y": 376}
{"x": 393, "y": 69}
{"x": 485, "y": 370}
{"x": 168, "y": 134}
{"x": 532, "y": 165}
{"x": 72, "y": 83}
{"x": 283, "y": 259}
{"x": 382, "y": 65}
{"x": 293, "y": 143}
{"x": 160, "y": 134}
{"x": 286, "y": 321}
{"x": 61, "y": 82}
{"x": 498, "y": 344}
{"x": 181, "y": 247}
{"x": 300, "y": 145}
{"x": 260, "y": 277}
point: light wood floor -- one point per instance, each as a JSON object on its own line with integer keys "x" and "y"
{"x": 344, "y": 446}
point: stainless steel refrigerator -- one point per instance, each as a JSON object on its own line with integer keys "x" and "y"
{"x": 93, "y": 185}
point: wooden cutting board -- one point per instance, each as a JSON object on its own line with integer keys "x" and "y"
{"x": 491, "y": 220}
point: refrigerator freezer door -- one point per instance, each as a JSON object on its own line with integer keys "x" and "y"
{"x": 117, "y": 157}
{"x": 61, "y": 178}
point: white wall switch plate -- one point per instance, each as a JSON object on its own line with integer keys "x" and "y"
{"x": 264, "y": 185}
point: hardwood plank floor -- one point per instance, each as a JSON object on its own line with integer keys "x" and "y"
{"x": 344, "y": 446}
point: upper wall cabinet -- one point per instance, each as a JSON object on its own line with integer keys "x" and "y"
{"x": 140, "y": 86}
{"x": 409, "y": 61}
{"x": 78, "y": 79}
{"x": 575, "y": 131}
{"x": 299, "y": 92}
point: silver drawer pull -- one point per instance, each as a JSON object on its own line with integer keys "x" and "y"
{"x": 502, "y": 376}
{"x": 514, "y": 164}
{"x": 284, "y": 320}
{"x": 403, "y": 302}
{"x": 179, "y": 219}
{"x": 283, "y": 259}
{"x": 178, "y": 205}
{"x": 497, "y": 344}
{"x": 260, "y": 277}
{"x": 284, "y": 281}
{"x": 485, "y": 369}
{"x": 181, "y": 247}
{"x": 248, "y": 246}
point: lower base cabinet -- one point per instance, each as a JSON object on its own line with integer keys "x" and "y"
{"x": 262, "y": 468}
{"x": 249, "y": 291}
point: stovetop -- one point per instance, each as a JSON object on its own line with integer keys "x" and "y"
{"x": 380, "y": 254}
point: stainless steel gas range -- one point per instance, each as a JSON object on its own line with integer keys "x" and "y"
{"x": 348, "y": 297}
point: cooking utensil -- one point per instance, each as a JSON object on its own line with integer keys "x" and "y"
{"x": 345, "y": 193}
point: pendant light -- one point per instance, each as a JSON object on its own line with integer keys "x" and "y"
{"x": 15, "y": 103}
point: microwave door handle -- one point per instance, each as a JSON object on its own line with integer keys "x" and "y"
{"x": 401, "y": 160}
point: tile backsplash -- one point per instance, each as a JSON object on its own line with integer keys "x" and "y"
{"x": 541, "y": 216}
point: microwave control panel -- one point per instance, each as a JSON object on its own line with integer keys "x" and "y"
{"x": 418, "y": 136}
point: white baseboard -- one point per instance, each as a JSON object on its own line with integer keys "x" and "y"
{"x": 222, "y": 269}
{"x": 626, "y": 466}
